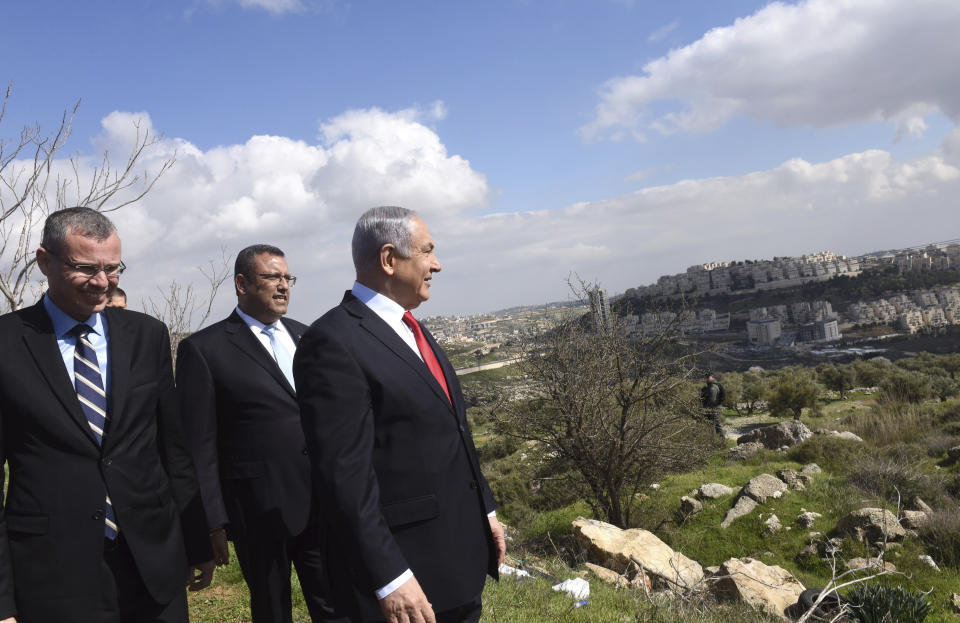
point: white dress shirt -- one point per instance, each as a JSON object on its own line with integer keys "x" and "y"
{"x": 257, "y": 327}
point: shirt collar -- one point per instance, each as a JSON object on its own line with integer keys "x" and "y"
{"x": 253, "y": 323}
{"x": 383, "y": 306}
{"x": 63, "y": 323}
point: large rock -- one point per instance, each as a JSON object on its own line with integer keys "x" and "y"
{"x": 606, "y": 575}
{"x": 913, "y": 520}
{"x": 778, "y": 435}
{"x": 871, "y": 524}
{"x": 744, "y": 506}
{"x": 791, "y": 478}
{"x": 613, "y": 548}
{"x": 840, "y": 434}
{"x": 713, "y": 490}
{"x": 764, "y": 486}
{"x": 744, "y": 451}
{"x": 917, "y": 504}
{"x": 869, "y": 564}
{"x": 768, "y": 588}
{"x": 690, "y": 506}
{"x": 810, "y": 468}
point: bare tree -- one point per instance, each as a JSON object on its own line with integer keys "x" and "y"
{"x": 618, "y": 408}
{"x": 31, "y": 187}
{"x": 179, "y": 304}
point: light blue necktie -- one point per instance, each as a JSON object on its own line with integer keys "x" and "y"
{"x": 280, "y": 354}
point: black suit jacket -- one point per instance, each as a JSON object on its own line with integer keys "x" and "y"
{"x": 394, "y": 462}
{"x": 243, "y": 427}
{"x": 51, "y": 527}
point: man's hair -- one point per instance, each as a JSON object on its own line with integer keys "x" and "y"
{"x": 85, "y": 222}
{"x": 118, "y": 291}
{"x": 246, "y": 258}
{"x": 377, "y": 227}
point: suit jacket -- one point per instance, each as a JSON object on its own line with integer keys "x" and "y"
{"x": 243, "y": 427}
{"x": 394, "y": 462}
{"x": 51, "y": 527}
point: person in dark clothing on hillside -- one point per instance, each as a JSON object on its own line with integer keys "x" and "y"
{"x": 711, "y": 399}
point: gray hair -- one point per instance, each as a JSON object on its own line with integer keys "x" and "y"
{"x": 377, "y": 227}
{"x": 85, "y": 222}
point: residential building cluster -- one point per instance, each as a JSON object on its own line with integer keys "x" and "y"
{"x": 491, "y": 330}
{"x": 932, "y": 257}
{"x": 751, "y": 275}
{"x": 809, "y": 322}
{"x": 911, "y": 311}
{"x": 688, "y": 322}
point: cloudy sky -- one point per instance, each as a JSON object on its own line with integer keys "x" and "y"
{"x": 616, "y": 139}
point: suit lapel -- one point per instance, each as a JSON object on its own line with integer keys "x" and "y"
{"x": 42, "y": 344}
{"x": 120, "y": 361}
{"x": 243, "y": 338}
{"x": 372, "y": 323}
{"x": 448, "y": 372}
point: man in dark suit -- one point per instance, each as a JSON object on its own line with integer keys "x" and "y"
{"x": 103, "y": 514}
{"x": 413, "y": 530}
{"x": 242, "y": 423}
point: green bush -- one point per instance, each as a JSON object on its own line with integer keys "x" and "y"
{"x": 498, "y": 447}
{"x": 941, "y": 536}
{"x": 894, "y": 480}
{"x": 831, "y": 453}
{"x": 877, "y": 603}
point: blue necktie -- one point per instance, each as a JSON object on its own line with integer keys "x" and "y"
{"x": 93, "y": 402}
{"x": 280, "y": 354}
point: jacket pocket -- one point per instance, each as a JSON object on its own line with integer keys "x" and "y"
{"x": 410, "y": 510}
{"x": 27, "y": 524}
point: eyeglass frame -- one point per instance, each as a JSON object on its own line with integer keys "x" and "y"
{"x": 84, "y": 269}
{"x": 275, "y": 278}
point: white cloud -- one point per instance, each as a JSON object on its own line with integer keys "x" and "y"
{"x": 816, "y": 63}
{"x": 279, "y": 7}
{"x": 662, "y": 32}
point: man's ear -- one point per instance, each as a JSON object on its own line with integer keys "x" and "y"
{"x": 388, "y": 259}
{"x": 240, "y": 282}
{"x": 43, "y": 261}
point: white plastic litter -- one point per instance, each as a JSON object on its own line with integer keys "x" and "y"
{"x": 578, "y": 588}
{"x": 506, "y": 569}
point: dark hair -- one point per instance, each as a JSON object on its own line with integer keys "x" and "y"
{"x": 85, "y": 222}
{"x": 245, "y": 259}
{"x": 377, "y": 227}
{"x": 118, "y": 291}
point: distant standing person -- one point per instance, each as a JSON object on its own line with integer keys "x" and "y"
{"x": 242, "y": 422}
{"x": 711, "y": 398}
{"x": 117, "y": 298}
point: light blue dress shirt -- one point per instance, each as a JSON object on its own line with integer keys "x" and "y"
{"x": 99, "y": 336}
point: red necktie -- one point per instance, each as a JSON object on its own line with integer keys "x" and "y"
{"x": 426, "y": 352}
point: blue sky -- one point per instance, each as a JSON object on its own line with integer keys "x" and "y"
{"x": 620, "y": 140}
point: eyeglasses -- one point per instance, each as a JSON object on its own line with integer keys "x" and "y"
{"x": 92, "y": 270}
{"x": 275, "y": 278}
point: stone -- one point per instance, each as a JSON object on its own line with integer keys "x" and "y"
{"x": 953, "y": 454}
{"x": 806, "y": 519}
{"x": 871, "y": 524}
{"x": 606, "y": 575}
{"x": 713, "y": 491}
{"x": 766, "y": 587}
{"x": 928, "y": 560}
{"x": 655, "y": 486}
{"x": 772, "y": 524}
{"x": 791, "y": 478}
{"x": 690, "y": 506}
{"x": 917, "y": 504}
{"x": 810, "y": 468}
{"x": 840, "y": 434}
{"x": 613, "y": 548}
{"x": 744, "y": 451}
{"x": 778, "y": 435}
{"x": 744, "y": 506}
{"x": 806, "y": 479}
{"x": 711, "y": 571}
{"x": 869, "y": 564}
{"x": 913, "y": 520}
{"x": 955, "y": 602}
{"x": 764, "y": 486}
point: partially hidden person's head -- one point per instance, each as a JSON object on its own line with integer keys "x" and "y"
{"x": 263, "y": 282}
{"x": 79, "y": 255}
{"x": 117, "y": 298}
{"x": 394, "y": 254}
{"x": 711, "y": 378}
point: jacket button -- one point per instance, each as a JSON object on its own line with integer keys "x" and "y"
{"x": 98, "y": 514}
{"x": 473, "y": 484}
{"x": 305, "y": 452}
{"x": 108, "y": 462}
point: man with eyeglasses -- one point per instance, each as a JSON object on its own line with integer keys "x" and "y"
{"x": 102, "y": 517}
{"x": 241, "y": 418}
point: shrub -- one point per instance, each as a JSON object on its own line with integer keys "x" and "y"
{"x": 894, "y": 480}
{"x": 893, "y": 422}
{"x": 905, "y": 386}
{"x": 877, "y": 603}
{"x": 941, "y": 536}
{"x": 498, "y": 447}
{"x": 830, "y": 453}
